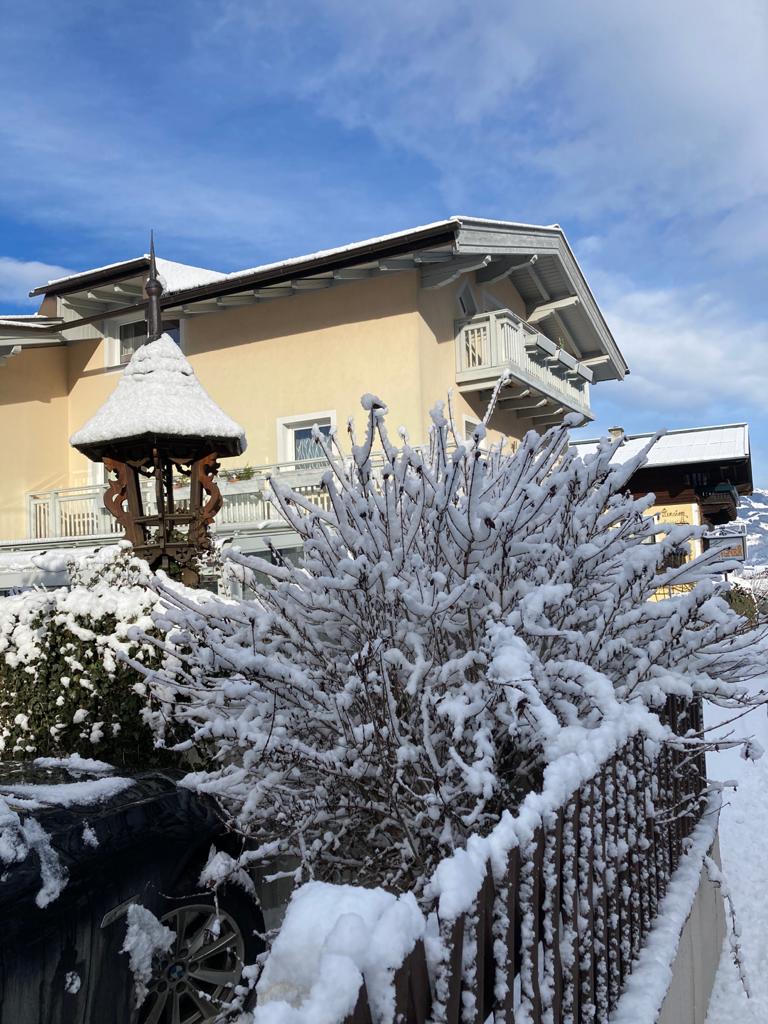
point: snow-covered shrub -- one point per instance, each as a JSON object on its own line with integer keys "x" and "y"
{"x": 454, "y": 613}
{"x": 63, "y": 686}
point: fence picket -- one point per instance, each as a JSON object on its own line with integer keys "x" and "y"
{"x": 454, "y": 979}
{"x": 586, "y": 911}
{"x": 413, "y": 997}
{"x": 570, "y": 911}
{"x": 585, "y": 890}
{"x": 509, "y": 934}
{"x": 484, "y": 972}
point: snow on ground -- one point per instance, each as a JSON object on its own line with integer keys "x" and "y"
{"x": 743, "y": 831}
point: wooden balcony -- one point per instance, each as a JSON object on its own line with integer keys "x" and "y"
{"x": 489, "y": 344}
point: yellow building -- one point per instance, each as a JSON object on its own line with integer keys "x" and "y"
{"x": 409, "y": 316}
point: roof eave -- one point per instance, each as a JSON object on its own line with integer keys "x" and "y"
{"x": 77, "y": 282}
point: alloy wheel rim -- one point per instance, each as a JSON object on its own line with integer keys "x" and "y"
{"x": 200, "y": 969}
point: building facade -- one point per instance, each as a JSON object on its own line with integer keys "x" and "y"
{"x": 410, "y": 316}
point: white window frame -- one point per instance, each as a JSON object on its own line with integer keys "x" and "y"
{"x": 287, "y": 424}
{"x": 111, "y": 332}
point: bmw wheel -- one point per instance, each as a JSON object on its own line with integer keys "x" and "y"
{"x": 204, "y": 965}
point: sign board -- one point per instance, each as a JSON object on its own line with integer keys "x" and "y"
{"x": 728, "y": 544}
{"x": 684, "y": 513}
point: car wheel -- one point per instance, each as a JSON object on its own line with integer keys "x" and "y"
{"x": 204, "y": 964}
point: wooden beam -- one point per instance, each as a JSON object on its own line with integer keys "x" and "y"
{"x": 436, "y": 256}
{"x": 132, "y": 291}
{"x": 444, "y": 274}
{"x": 275, "y": 292}
{"x": 548, "y": 308}
{"x": 529, "y": 266}
{"x": 498, "y": 269}
{"x": 198, "y": 309}
{"x": 519, "y": 404}
{"x": 555, "y": 414}
{"x": 595, "y": 360}
{"x": 233, "y": 301}
{"x": 353, "y": 273}
{"x": 109, "y": 301}
{"x": 311, "y": 284}
{"x": 87, "y": 306}
{"x": 398, "y": 263}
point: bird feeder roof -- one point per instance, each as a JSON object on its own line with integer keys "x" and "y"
{"x": 158, "y": 398}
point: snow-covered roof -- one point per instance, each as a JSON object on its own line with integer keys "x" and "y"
{"x": 174, "y": 276}
{"x": 341, "y": 250}
{"x": 37, "y": 322}
{"x": 158, "y": 393}
{"x": 680, "y": 447}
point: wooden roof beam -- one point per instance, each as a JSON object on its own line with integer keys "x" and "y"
{"x": 519, "y": 405}
{"x": 398, "y": 263}
{"x": 311, "y": 284}
{"x": 129, "y": 291}
{"x": 546, "y": 309}
{"x": 274, "y": 292}
{"x": 447, "y": 273}
{"x": 555, "y": 415}
{"x": 353, "y": 273}
{"x": 498, "y": 269}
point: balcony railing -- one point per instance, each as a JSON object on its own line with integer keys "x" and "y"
{"x": 71, "y": 513}
{"x": 487, "y": 344}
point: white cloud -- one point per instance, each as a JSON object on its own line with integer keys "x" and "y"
{"x": 691, "y": 356}
{"x": 18, "y": 277}
{"x": 652, "y": 110}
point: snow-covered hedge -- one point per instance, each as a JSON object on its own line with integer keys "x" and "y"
{"x": 63, "y": 685}
{"x": 453, "y": 616}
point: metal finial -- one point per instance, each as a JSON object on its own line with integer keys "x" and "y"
{"x": 153, "y": 290}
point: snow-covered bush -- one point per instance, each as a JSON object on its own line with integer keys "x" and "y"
{"x": 454, "y": 612}
{"x": 63, "y": 686}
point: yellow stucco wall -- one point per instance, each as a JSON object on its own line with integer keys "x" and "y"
{"x": 33, "y": 421}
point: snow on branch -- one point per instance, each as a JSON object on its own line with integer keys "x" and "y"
{"x": 460, "y": 617}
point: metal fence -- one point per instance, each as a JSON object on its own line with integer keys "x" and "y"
{"x": 559, "y": 929}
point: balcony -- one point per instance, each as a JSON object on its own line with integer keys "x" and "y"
{"x": 74, "y": 516}
{"x": 488, "y": 344}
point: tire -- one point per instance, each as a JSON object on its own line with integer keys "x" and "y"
{"x": 202, "y": 969}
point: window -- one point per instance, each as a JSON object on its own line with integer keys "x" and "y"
{"x": 466, "y": 301}
{"x": 469, "y": 427}
{"x": 130, "y": 336}
{"x": 303, "y": 445}
{"x": 294, "y": 435}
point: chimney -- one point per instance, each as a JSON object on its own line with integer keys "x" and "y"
{"x": 617, "y": 433}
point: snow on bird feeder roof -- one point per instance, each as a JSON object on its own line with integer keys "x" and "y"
{"x": 158, "y": 395}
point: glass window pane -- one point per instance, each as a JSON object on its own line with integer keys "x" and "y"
{"x": 131, "y": 337}
{"x": 303, "y": 445}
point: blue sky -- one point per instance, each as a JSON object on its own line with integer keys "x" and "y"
{"x": 247, "y": 131}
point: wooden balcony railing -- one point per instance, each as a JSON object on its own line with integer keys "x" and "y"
{"x": 487, "y": 344}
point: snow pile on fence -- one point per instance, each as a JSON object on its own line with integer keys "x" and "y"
{"x": 332, "y": 937}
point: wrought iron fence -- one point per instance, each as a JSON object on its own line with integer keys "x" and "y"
{"x": 558, "y": 929}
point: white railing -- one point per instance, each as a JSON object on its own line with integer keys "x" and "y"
{"x": 73, "y": 512}
{"x": 489, "y": 343}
